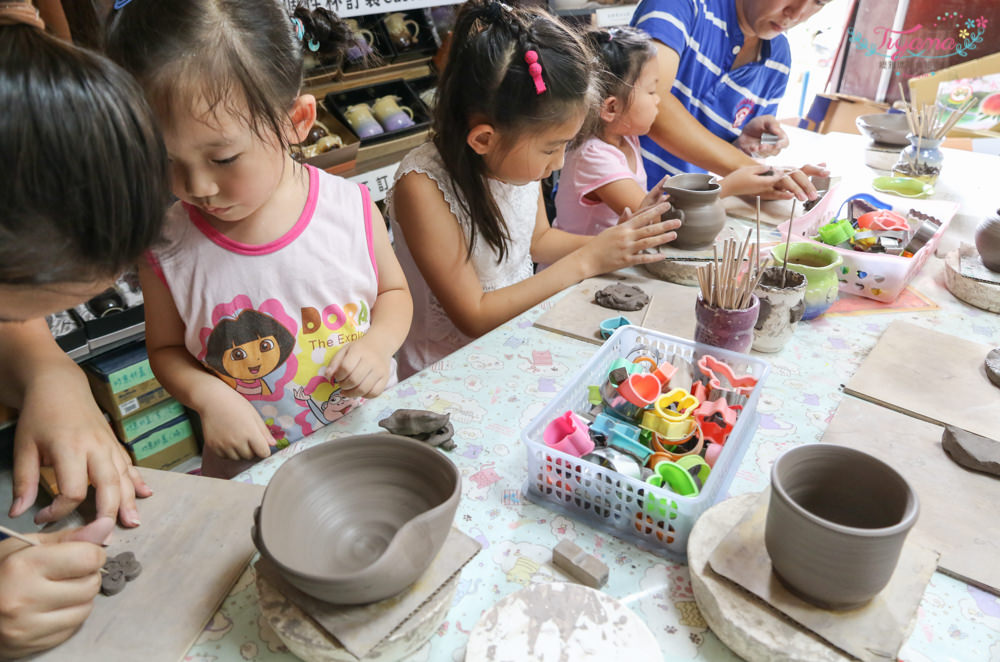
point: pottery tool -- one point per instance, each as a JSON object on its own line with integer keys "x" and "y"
{"x": 723, "y": 281}
{"x": 788, "y": 242}
{"x": 34, "y": 543}
{"x": 924, "y": 121}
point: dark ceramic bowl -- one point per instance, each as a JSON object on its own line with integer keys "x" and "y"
{"x": 357, "y": 519}
{"x": 836, "y": 523}
{"x": 885, "y": 128}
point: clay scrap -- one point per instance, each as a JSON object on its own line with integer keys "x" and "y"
{"x": 578, "y": 564}
{"x": 993, "y": 366}
{"x": 971, "y": 450}
{"x": 619, "y": 296}
{"x": 427, "y": 426}
{"x": 119, "y": 570}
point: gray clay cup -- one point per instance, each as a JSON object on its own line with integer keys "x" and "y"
{"x": 781, "y": 308}
{"x": 836, "y": 523}
{"x": 357, "y": 519}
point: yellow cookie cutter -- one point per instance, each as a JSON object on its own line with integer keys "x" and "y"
{"x": 686, "y": 404}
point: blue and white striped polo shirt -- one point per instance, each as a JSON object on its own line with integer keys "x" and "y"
{"x": 707, "y": 36}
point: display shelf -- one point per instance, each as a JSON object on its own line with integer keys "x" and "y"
{"x": 602, "y": 15}
{"x": 353, "y": 8}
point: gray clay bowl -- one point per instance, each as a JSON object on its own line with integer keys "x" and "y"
{"x": 885, "y": 128}
{"x": 357, "y": 519}
{"x": 836, "y": 523}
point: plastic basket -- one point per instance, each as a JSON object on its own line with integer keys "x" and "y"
{"x": 653, "y": 518}
{"x": 874, "y": 275}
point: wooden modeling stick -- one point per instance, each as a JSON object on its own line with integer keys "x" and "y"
{"x": 34, "y": 543}
{"x": 788, "y": 242}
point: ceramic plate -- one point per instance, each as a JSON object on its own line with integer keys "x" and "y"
{"x": 907, "y": 187}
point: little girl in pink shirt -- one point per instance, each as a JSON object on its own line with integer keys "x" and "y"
{"x": 604, "y": 174}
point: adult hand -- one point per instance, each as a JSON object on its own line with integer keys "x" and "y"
{"x": 750, "y": 141}
{"x": 232, "y": 427}
{"x": 48, "y": 589}
{"x": 361, "y": 368}
{"x": 60, "y": 426}
{"x": 751, "y": 180}
{"x": 796, "y": 183}
{"x": 625, "y": 244}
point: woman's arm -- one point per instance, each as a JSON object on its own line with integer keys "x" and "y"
{"x": 438, "y": 246}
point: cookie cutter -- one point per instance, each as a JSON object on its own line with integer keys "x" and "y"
{"x": 608, "y": 326}
{"x": 675, "y": 478}
{"x": 693, "y": 443}
{"x": 712, "y": 452}
{"x": 836, "y": 232}
{"x": 883, "y": 219}
{"x": 925, "y": 232}
{"x": 683, "y": 405}
{"x": 641, "y": 389}
{"x": 716, "y": 420}
{"x": 616, "y": 461}
{"x": 568, "y": 434}
{"x": 621, "y": 436}
{"x": 697, "y": 467}
{"x": 715, "y": 370}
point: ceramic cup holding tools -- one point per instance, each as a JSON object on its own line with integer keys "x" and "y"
{"x": 390, "y": 114}
{"x": 403, "y": 31}
{"x": 836, "y": 523}
{"x": 727, "y": 328}
{"x": 360, "y": 117}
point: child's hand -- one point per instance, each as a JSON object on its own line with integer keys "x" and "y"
{"x": 48, "y": 589}
{"x": 60, "y": 426}
{"x": 231, "y": 426}
{"x": 752, "y": 180}
{"x": 361, "y": 368}
{"x": 655, "y": 195}
{"x": 622, "y": 245}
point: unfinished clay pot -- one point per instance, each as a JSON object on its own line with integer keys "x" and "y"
{"x": 357, "y": 519}
{"x": 694, "y": 198}
{"x": 781, "y": 308}
{"x": 988, "y": 241}
{"x": 836, "y": 523}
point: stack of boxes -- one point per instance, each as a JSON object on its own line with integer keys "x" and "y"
{"x": 152, "y": 425}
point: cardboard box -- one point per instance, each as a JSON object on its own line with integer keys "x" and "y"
{"x": 148, "y": 419}
{"x": 923, "y": 89}
{"x": 165, "y": 447}
{"x": 341, "y": 158}
{"x": 837, "y": 112}
{"x": 120, "y": 379}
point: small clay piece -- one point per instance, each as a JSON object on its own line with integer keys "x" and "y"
{"x": 429, "y": 427}
{"x": 988, "y": 241}
{"x": 971, "y": 450}
{"x": 578, "y": 564}
{"x": 993, "y": 366}
{"x": 118, "y": 570}
{"x": 621, "y": 297}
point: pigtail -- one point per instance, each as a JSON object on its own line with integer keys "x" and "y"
{"x": 488, "y": 79}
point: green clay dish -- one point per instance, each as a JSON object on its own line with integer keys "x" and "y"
{"x": 907, "y": 187}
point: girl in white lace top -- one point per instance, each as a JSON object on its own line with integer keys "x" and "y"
{"x": 467, "y": 209}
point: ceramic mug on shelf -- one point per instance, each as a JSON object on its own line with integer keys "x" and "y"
{"x": 359, "y": 116}
{"x": 363, "y": 39}
{"x": 403, "y": 31}
{"x": 390, "y": 114}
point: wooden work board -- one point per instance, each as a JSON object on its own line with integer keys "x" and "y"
{"x": 193, "y": 544}
{"x": 934, "y": 376}
{"x": 955, "y": 502}
{"x": 670, "y": 309}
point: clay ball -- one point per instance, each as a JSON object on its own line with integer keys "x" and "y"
{"x": 621, "y": 297}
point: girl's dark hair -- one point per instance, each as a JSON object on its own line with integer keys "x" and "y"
{"x": 241, "y": 55}
{"x": 85, "y": 183}
{"x": 247, "y": 326}
{"x": 487, "y": 80}
{"x": 622, "y": 53}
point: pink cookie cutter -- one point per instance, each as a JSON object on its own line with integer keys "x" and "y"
{"x": 716, "y": 371}
{"x": 568, "y": 434}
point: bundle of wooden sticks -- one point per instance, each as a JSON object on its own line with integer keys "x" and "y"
{"x": 724, "y": 283}
{"x": 925, "y": 123}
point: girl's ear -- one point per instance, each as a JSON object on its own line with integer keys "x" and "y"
{"x": 482, "y": 138}
{"x": 303, "y": 116}
{"x": 609, "y": 109}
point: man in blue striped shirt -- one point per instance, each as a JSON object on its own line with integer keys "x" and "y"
{"x": 724, "y": 65}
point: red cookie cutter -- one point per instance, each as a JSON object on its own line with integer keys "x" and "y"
{"x": 715, "y": 369}
{"x": 716, "y": 419}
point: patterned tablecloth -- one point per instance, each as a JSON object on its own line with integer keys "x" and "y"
{"x": 493, "y": 388}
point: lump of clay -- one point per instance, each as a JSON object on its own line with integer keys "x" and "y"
{"x": 426, "y": 426}
{"x": 993, "y": 366}
{"x": 971, "y": 450}
{"x": 621, "y": 297}
{"x": 119, "y": 570}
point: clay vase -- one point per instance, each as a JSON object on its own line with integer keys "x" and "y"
{"x": 988, "y": 241}
{"x": 357, "y": 519}
{"x": 724, "y": 327}
{"x": 836, "y": 523}
{"x": 819, "y": 264}
{"x": 781, "y": 309}
{"x": 694, "y": 198}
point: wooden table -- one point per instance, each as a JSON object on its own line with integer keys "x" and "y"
{"x": 956, "y": 621}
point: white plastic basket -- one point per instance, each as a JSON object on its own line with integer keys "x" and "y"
{"x": 873, "y": 275}
{"x": 656, "y": 519}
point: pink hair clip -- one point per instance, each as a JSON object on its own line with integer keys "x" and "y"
{"x": 535, "y": 69}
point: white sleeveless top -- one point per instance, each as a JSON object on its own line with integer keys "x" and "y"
{"x": 432, "y": 334}
{"x": 269, "y": 318}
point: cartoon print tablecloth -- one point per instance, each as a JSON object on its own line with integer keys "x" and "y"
{"x": 493, "y": 387}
